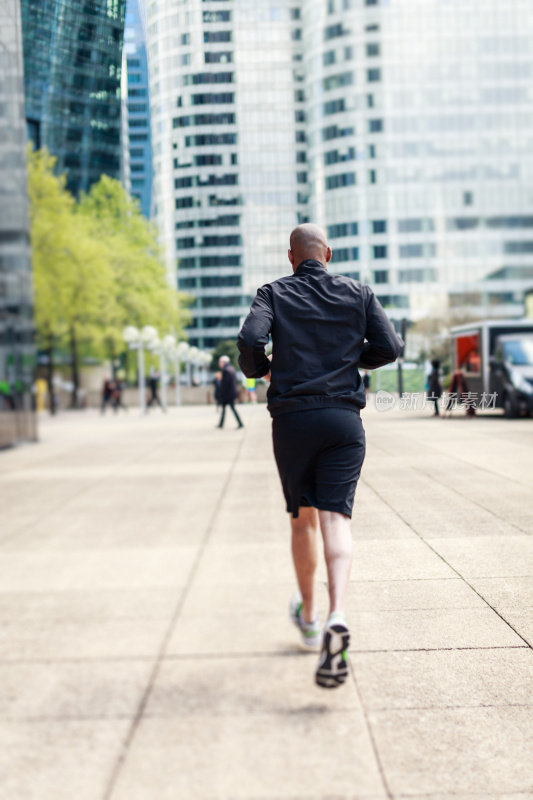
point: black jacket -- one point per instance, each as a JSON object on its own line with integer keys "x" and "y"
{"x": 319, "y": 323}
{"x": 228, "y": 386}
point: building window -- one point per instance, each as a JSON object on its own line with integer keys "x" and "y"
{"x": 372, "y": 176}
{"x": 209, "y": 77}
{"x": 417, "y": 275}
{"x": 184, "y": 202}
{"x": 345, "y": 254}
{"x": 211, "y": 98}
{"x": 468, "y": 198}
{"x": 379, "y": 251}
{"x": 417, "y": 251}
{"x": 381, "y": 276}
{"x": 337, "y": 156}
{"x": 518, "y": 248}
{"x": 343, "y": 229}
{"x": 415, "y": 225}
{"x": 224, "y": 57}
{"x": 375, "y": 125}
{"x": 334, "y": 132}
{"x": 217, "y": 36}
{"x": 372, "y": 49}
{"x": 373, "y": 75}
{"x": 337, "y": 81}
{"x": 371, "y": 2}
{"x": 299, "y": 116}
{"x": 216, "y": 16}
{"x": 328, "y": 58}
{"x": 379, "y": 226}
{"x": 332, "y": 31}
{"x": 208, "y": 139}
{"x": 340, "y": 181}
{"x": 295, "y": 13}
{"x": 299, "y": 137}
{"x": 301, "y": 157}
{"x": 372, "y": 151}
{"x": 301, "y": 177}
{"x": 334, "y": 106}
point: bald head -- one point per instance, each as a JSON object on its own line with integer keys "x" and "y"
{"x": 308, "y": 241}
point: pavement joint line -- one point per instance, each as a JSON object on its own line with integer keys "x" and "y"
{"x": 370, "y": 731}
{"x": 433, "y": 550}
{"x": 108, "y": 792}
{"x": 470, "y": 499}
{"x": 434, "y": 447}
{"x": 240, "y": 656}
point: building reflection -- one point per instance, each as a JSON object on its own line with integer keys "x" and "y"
{"x": 17, "y": 354}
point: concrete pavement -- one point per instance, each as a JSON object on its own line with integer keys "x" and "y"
{"x": 146, "y": 652}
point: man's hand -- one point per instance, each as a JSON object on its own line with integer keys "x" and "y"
{"x": 268, "y": 376}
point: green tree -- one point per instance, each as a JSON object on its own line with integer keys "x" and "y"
{"x": 97, "y": 267}
{"x": 142, "y": 293}
{"x": 72, "y": 279}
{"x": 229, "y": 348}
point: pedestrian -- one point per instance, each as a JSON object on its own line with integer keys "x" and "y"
{"x": 217, "y": 386}
{"x": 228, "y": 390}
{"x": 251, "y": 394}
{"x": 153, "y": 380}
{"x": 117, "y": 395}
{"x": 366, "y": 382}
{"x": 108, "y": 388}
{"x": 319, "y": 323}
{"x": 434, "y": 385}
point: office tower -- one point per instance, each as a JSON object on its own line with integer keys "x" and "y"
{"x": 404, "y": 127}
{"x": 138, "y": 107}
{"x": 72, "y": 71}
{"x": 420, "y": 132}
{"x": 17, "y": 356}
{"x": 228, "y": 125}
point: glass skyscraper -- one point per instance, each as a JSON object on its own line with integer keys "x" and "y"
{"x": 17, "y": 357}
{"x": 420, "y": 131}
{"x": 72, "y": 71}
{"x": 138, "y": 108}
{"x": 230, "y": 173}
{"x": 404, "y": 127}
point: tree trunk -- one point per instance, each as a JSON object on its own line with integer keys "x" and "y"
{"x": 50, "y": 375}
{"x": 75, "y": 376}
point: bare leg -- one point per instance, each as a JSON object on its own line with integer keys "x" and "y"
{"x": 337, "y": 538}
{"x": 305, "y": 557}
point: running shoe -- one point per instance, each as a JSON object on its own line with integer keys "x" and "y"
{"x": 332, "y": 668}
{"x": 310, "y": 632}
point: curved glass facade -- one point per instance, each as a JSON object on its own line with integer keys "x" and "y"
{"x": 230, "y": 171}
{"x": 420, "y": 130}
{"x": 138, "y": 108}
{"x": 72, "y": 70}
{"x": 17, "y": 356}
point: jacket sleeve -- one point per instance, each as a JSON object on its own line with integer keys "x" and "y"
{"x": 253, "y": 336}
{"x": 383, "y": 344}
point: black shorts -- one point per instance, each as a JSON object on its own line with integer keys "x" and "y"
{"x": 319, "y": 454}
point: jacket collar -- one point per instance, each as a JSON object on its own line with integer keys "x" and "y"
{"x": 309, "y": 265}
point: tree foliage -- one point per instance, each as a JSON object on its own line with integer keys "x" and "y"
{"x": 225, "y": 348}
{"x": 97, "y": 267}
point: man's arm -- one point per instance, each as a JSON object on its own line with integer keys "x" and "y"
{"x": 383, "y": 344}
{"x": 253, "y": 336}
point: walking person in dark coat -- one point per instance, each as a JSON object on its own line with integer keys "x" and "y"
{"x": 228, "y": 390}
{"x": 324, "y": 328}
{"x": 434, "y": 385}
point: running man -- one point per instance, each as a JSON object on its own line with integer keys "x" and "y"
{"x": 324, "y": 328}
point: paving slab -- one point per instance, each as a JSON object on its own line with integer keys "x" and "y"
{"x": 238, "y": 757}
{"x": 455, "y": 751}
{"x": 444, "y": 678}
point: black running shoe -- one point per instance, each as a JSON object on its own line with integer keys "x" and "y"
{"x": 332, "y": 668}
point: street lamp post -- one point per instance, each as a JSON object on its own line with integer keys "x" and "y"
{"x": 180, "y": 355}
{"x": 136, "y": 339}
